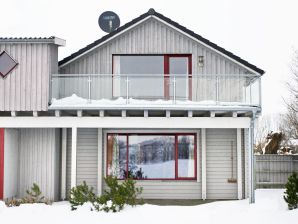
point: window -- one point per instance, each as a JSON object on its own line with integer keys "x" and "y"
{"x": 152, "y": 156}
{"x": 152, "y": 76}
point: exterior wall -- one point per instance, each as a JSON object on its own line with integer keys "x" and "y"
{"x": 87, "y": 160}
{"x": 40, "y": 161}
{"x": 11, "y": 162}
{"x": 27, "y": 87}
{"x": 219, "y": 163}
{"x": 154, "y": 37}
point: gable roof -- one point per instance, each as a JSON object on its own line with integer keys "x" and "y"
{"x": 152, "y": 12}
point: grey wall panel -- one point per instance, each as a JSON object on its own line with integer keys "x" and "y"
{"x": 154, "y": 37}
{"x": 221, "y": 145}
{"x": 87, "y": 147}
{"x": 26, "y": 88}
{"x": 87, "y": 160}
{"x": 11, "y": 162}
{"x": 39, "y": 151}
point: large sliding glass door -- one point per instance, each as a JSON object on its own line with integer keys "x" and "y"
{"x": 151, "y": 77}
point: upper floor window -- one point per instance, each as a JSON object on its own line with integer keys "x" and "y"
{"x": 152, "y": 76}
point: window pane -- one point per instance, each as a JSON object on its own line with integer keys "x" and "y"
{"x": 141, "y": 64}
{"x": 186, "y": 159}
{"x": 179, "y": 66}
{"x": 116, "y": 155}
{"x": 152, "y": 156}
{"x": 148, "y": 82}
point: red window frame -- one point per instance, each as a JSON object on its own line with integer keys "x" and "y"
{"x": 166, "y": 71}
{"x": 176, "y": 155}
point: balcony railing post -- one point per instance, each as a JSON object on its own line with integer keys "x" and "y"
{"x": 260, "y": 92}
{"x": 89, "y": 88}
{"x": 216, "y": 89}
{"x": 127, "y": 90}
{"x": 174, "y": 89}
{"x": 250, "y": 94}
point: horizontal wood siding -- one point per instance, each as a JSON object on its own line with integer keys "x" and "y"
{"x": 87, "y": 160}
{"x": 39, "y": 161}
{"x": 154, "y": 37}
{"x": 219, "y": 163}
{"x": 27, "y": 87}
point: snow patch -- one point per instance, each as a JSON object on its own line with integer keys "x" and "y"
{"x": 76, "y": 101}
{"x": 269, "y": 208}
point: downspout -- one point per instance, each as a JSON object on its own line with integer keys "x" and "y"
{"x": 251, "y": 160}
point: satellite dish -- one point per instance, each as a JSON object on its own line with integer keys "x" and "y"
{"x": 108, "y": 21}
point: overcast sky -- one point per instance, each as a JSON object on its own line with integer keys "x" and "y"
{"x": 264, "y": 32}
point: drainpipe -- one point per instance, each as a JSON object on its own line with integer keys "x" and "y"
{"x": 251, "y": 160}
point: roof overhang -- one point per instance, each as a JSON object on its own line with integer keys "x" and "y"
{"x": 41, "y": 40}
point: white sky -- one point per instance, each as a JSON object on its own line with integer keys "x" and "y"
{"x": 264, "y": 32}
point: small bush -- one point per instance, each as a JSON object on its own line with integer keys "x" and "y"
{"x": 80, "y": 195}
{"x": 118, "y": 195}
{"x": 34, "y": 195}
{"x": 291, "y": 193}
{"x": 114, "y": 199}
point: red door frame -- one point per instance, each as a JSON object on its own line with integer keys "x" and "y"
{"x": 1, "y": 163}
{"x": 167, "y": 73}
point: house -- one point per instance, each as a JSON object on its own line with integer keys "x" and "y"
{"x": 152, "y": 100}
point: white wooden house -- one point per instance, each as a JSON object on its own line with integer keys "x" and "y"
{"x": 151, "y": 100}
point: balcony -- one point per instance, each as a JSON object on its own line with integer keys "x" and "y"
{"x": 185, "y": 92}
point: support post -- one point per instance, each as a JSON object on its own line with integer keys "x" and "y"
{"x": 204, "y": 184}
{"x": 239, "y": 164}
{"x": 63, "y": 163}
{"x": 100, "y": 158}
{"x": 73, "y": 157}
{"x": 251, "y": 161}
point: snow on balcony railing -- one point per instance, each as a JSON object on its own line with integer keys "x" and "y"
{"x": 124, "y": 89}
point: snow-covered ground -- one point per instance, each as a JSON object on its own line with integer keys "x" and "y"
{"x": 269, "y": 208}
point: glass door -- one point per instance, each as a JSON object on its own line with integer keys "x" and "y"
{"x": 178, "y": 77}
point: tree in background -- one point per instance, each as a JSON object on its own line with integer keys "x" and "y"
{"x": 291, "y": 119}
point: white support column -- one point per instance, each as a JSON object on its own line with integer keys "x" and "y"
{"x": 63, "y": 163}
{"x": 100, "y": 160}
{"x": 204, "y": 184}
{"x": 73, "y": 157}
{"x": 251, "y": 163}
{"x": 239, "y": 164}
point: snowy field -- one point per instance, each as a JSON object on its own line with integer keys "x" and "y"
{"x": 269, "y": 208}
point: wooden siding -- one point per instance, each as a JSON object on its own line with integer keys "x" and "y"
{"x": 154, "y": 37}
{"x": 39, "y": 163}
{"x": 27, "y": 87}
{"x": 219, "y": 164}
{"x": 87, "y": 160}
